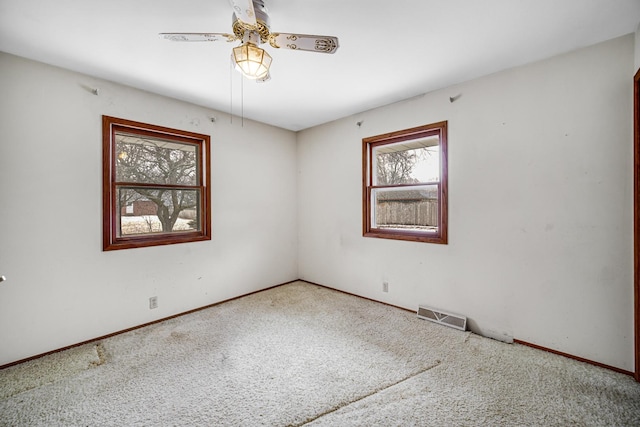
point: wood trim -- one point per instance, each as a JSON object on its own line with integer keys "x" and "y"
{"x": 570, "y": 356}
{"x": 434, "y": 129}
{"x": 110, "y": 239}
{"x": 444, "y": 183}
{"x": 17, "y": 362}
{"x": 412, "y": 236}
{"x": 407, "y": 186}
{"x": 365, "y": 188}
{"x": 406, "y": 134}
{"x": 358, "y": 296}
{"x": 636, "y": 218}
{"x": 622, "y": 371}
{"x": 559, "y": 353}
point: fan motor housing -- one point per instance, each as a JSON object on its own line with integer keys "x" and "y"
{"x": 240, "y": 28}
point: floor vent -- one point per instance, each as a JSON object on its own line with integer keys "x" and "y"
{"x": 442, "y": 317}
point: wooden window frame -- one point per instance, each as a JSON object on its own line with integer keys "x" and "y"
{"x": 368, "y": 144}
{"x": 636, "y": 220}
{"x": 111, "y": 240}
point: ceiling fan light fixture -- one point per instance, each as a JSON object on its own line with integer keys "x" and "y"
{"x": 250, "y": 23}
{"x": 252, "y": 61}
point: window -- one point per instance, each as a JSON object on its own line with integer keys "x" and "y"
{"x": 155, "y": 185}
{"x": 405, "y": 184}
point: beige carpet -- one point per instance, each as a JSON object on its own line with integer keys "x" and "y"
{"x": 301, "y": 354}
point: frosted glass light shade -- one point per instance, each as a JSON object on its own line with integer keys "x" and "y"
{"x": 251, "y": 60}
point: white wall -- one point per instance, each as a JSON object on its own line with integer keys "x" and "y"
{"x": 540, "y": 209}
{"x": 637, "y": 49}
{"x": 540, "y": 205}
{"x": 61, "y": 288}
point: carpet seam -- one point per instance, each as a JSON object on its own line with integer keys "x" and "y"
{"x": 373, "y": 393}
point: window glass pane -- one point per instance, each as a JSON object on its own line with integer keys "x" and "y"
{"x": 157, "y": 210}
{"x": 155, "y": 161}
{"x": 408, "y": 209}
{"x": 408, "y": 162}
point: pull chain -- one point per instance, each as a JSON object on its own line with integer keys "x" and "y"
{"x": 242, "y": 99}
{"x": 231, "y": 91}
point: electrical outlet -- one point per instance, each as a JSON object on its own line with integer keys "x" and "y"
{"x": 385, "y": 286}
{"x": 153, "y": 303}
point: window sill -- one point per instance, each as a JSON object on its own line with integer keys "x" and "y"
{"x": 407, "y": 236}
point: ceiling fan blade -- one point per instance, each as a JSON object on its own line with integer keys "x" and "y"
{"x": 198, "y": 37}
{"x": 306, "y": 42}
{"x": 244, "y": 11}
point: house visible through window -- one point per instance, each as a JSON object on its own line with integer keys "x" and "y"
{"x": 156, "y": 184}
{"x": 405, "y": 184}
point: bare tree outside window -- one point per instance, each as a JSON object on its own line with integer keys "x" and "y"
{"x": 395, "y": 168}
{"x": 153, "y": 161}
{"x": 407, "y": 166}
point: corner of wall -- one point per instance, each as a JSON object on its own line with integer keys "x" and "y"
{"x": 637, "y": 49}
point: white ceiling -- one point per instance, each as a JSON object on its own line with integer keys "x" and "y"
{"x": 389, "y": 50}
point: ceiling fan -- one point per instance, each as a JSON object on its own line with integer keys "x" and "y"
{"x": 251, "y": 26}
